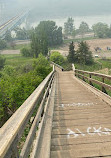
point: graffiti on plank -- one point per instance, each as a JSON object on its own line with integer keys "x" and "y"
{"x": 77, "y": 105}
{"x": 89, "y": 131}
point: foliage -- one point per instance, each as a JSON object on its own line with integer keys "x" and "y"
{"x": 57, "y": 58}
{"x": 45, "y": 34}
{"x": 39, "y": 44}
{"x": 22, "y": 34}
{"x": 69, "y": 27}
{"x": 84, "y": 55}
{"x": 13, "y": 45}
{"x": 71, "y": 56}
{"x": 3, "y": 44}
{"x": 41, "y": 66}
{"x": 26, "y": 52}
{"x": 16, "y": 86}
{"x": 8, "y": 36}
{"x": 94, "y": 67}
{"x": 101, "y": 30}
{"x": 2, "y": 62}
{"x": 51, "y": 31}
{"x": 83, "y": 28}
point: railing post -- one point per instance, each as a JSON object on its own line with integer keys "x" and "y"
{"x": 103, "y": 89}
{"x": 53, "y": 67}
{"x": 83, "y": 77}
{"x": 73, "y": 68}
{"x": 90, "y": 80}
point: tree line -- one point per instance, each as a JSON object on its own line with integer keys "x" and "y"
{"x": 100, "y": 30}
{"x": 82, "y": 55}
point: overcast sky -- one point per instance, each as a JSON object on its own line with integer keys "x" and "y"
{"x": 73, "y": 6}
{"x": 43, "y": 9}
{"x": 60, "y": 6}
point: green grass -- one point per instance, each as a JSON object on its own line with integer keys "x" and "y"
{"x": 78, "y": 39}
{"x": 96, "y": 66}
{"x": 106, "y": 63}
{"x": 18, "y": 46}
{"x": 16, "y": 60}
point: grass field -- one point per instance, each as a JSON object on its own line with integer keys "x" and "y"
{"x": 16, "y": 60}
{"x": 78, "y": 39}
{"x": 19, "y": 46}
{"x": 101, "y": 66}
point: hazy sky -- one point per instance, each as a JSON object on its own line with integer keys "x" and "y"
{"x": 77, "y": 7}
{"x": 44, "y": 9}
{"x": 71, "y": 6}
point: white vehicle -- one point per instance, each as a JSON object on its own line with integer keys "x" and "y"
{"x": 96, "y": 56}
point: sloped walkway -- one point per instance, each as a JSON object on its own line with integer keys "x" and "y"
{"x": 81, "y": 122}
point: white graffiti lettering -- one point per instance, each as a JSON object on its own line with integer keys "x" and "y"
{"x": 80, "y": 132}
{"x": 98, "y": 131}
{"x": 75, "y": 135}
{"x": 76, "y": 104}
{"x": 90, "y": 131}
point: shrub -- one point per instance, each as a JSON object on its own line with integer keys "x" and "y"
{"x": 3, "y": 44}
{"x": 26, "y": 52}
{"x": 15, "y": 87}
{"x": 57, "y": 58}
{"x": 2, "y": 62}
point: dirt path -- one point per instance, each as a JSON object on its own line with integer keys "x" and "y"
{"x": 4, "y": 52}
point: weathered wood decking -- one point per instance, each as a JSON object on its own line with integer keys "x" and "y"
{"x": 81, "y": 124}
{"x": 73, "y": 120}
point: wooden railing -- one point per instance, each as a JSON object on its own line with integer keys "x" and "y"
{"x": 13, "y": 129}
{"x": 60, "y": 67}
{"x": 88, "y": 75}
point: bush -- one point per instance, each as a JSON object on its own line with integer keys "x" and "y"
{"x": 2, "y": 62}
{"x": 26, "y": 52}
{"x": 15, "y": 88}
{"x": 57, "y": 58}
{"x": 41, "y": 66}
{"x": 3, "y": 44}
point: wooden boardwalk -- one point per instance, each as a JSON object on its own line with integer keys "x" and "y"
{"x": 81, "y": 124}
{"x": 73, "y": 119}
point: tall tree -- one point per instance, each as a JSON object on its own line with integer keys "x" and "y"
{"x": 3, "y": 44}
{"x": 71, "y": 56}
{"x": 39, "y": 44}
{"x": 52, "y": 32}
{"x": 84, "y": 55}
{"x": 101, "y": 30}
{"x": 83, "y": 28}
{"x": 69, "y": 26}
{"x": 8, "y": 36}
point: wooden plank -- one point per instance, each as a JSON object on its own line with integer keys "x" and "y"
{"x": 80, "y": 131}
{"x": 42, "y": 141}
{"x": 81, "y": 116}
{"x": 80, "y": 140}
{"x": 83, "y": 150}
